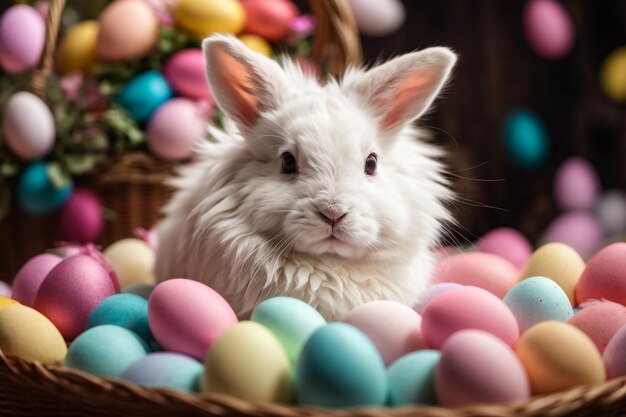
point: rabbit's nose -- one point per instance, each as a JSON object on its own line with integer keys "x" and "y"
{"x": 331, "y": 216}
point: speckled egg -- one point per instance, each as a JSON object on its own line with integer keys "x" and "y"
{"x": 166, "y": 370}
{"x": 411, "y": 378}
{"x": 605, "y": 276}
{"x": 600, "y": 321}
{"x": 28, "y": 279}
{"x": 506, "y": 243}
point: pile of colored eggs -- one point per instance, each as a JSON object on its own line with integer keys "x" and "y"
{"x": 497, "y": 325}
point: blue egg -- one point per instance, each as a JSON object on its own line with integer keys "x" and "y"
{"x": 105, "y": 350}
{"x": 340, "y": 367}
{"x": 142, "y": 290}
{"x": 166, "y": 370}
{"x": 526, "y": 139}
{"x": 125, "y": 310}
{"x": 35, "y": 192}
{"x": 411, "y": 378}
{"x": 142, "y": 95}
{"x": 291, "y": 320}
{"x": 538, "y": 299}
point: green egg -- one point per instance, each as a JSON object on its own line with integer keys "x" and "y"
{"x": 411, "y": 378}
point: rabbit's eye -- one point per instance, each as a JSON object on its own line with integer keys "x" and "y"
{"x": 289, "y": 165}
{"x": 370, "y": 164}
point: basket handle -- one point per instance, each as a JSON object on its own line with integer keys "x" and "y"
{"x": 39, "y": 77}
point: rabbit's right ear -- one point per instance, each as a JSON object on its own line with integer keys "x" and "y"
{"x": 244, "y": 83}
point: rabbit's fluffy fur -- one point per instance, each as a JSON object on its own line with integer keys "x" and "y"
{"x": 240, "y": 225}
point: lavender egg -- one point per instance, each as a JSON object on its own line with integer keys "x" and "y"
{"x": 29, "y": 278}
{"x": 576, "y": 185}
{"x": 611, "y": 211}
{"x": 578, "y": 229}
{"x": 5, "y": 289}
{"x": 22, "y": 36}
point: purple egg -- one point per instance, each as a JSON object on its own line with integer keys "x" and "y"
{"x": 70, "y": 293}
{"x": 432, "y": 292}
{"x": 578, "y": 229}
{"x": 22, "y": 35}
{"x": 508, "y": 244}
{"x": 81, "y": 218}
{"x": 29, "y": 278}
{"x": 576, "y": 185}
{"x": 5, "y": 289}
{"x": 613, "y": 355}
{"x": 166, "y": 370}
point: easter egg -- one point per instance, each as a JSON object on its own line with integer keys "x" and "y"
{"x": 143, "y": 95}
{"x": 257, "y": 43}
{"x": 467, "y": 308}
{"x": 433, "y": 292}
{"x": 5, "y": 289}
{"x": 188, "y": 317}
{"x": 605, "y": 276}
{"x": 176, "y": 129}
{"x": 269, "y": 19}
{"x": 30, "y": 276}
{"x": 560, "y": 263}
{"x": 411, "y": 378}
{"x": 483, "y": 270}
{"x": 166, "y": 370}
{"x": 28, "y": 126}
{"x": 506, "y": 243}
{"x": 22, "y": 36}
{"x": 71, "y": 291}
{"x": 35, "y": 192}
{"x": 142, "y": 290}
{"x": 548, "y": 28}
{"x": 394, "y": 328}
{"x": 77, "y": 49}
{"x": 340, "y": 367}
{"x": 477, "y": 367}
{"x": 292, "y": 321}
{"x": 578, "y": 229}
{"x": 27, "y": 333}
{"x": 202, "y": 18}
{"x": 128, "y": 31}
{"x": 600, "y": 321}
{"x": 613, "y": 75}
{"x": 81, "y": 217}
{"x": 538, "y": 299}
{"x": 610, "y": 210}
{"x": 576, "y": 185}
{"x": 378, "y": 18}
{"x": 6, "y": 301}
{"x": 613, "y": 356}
{"x": 185, "y": 72}
{"x": 248, "y": 362}
{"x": 558, "y": 356}
{"x": 526, "y": 139}
{"x": 132, "y": 260}
{"x": 105, "y": 351}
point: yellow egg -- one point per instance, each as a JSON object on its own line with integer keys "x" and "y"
{"x": 257, "y": 44}
{"x": 27, "y": 333}
{"x": 77, "y": 50}
{"x": 6, "y": 301}
{"x": 248, "y": 361}
{"x": 613, "y": 75}
{"x": 560, "y": 263}
{"x": 132, "y": 261}
{"x": 202, "y": 17}
{"x": 558, "y": 356}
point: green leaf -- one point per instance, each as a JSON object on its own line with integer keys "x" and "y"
{"x": 9, "y": 168}
{"x": 57, "y": 175}
{"x": 79, "y": 164}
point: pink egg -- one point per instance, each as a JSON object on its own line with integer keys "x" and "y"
{"x": 507, "y": 243}
{"x": 600, "y": 321}
{"x": 548, "y": 28}
{"x": 614, "y": 357}
{"x": 187, "y": 316}
{"x": 22, "y": 35}
{"x": 394, "y": 328}
{"x": 467, "y": 308}
{"x": 175, "y": 129}
{"x": 433, "y": 292}
{"x": 28, "y": 279}
{"x": 476, "y": 367}
{"x": 71, "y": 291}
{"x": 269, "y": 19}
{"x": 81, "y": 218}
{"x": 483, "y": 270}
{"x": 604, "y": 276}
{"x": 578, "y": 229}
{"x": 185, "y": 72}
{"x": 576, "y": 185}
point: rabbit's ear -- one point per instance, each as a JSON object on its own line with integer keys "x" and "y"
{"x": 402, "y": 89}
{"x": 244, "y": 83}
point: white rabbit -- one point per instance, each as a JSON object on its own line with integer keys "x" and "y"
{"x": 319, "y": 192}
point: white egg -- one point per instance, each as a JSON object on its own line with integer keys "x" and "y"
{"x": 378, "y": 18}
{"x": 611, "y": 211}
{"x": 28, "y": 126}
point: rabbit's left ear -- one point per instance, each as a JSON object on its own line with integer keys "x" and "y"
{"x": 401, "y": 90}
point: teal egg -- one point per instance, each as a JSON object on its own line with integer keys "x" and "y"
{"x": 142, "y": 95}
{"x": 105, "y": 351}
{"x": 142, "y": 290}
{"x": 538, "y": 299}
{"x": 340, "y": 367}
{"x": 526, "y": 139}
{"x": 166, "y": 370}
{"x": 411, "y": 378}
{"x": 125, "y": 310}
{"x": 291, "y": 320}
{"x": 35, "y": 192}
